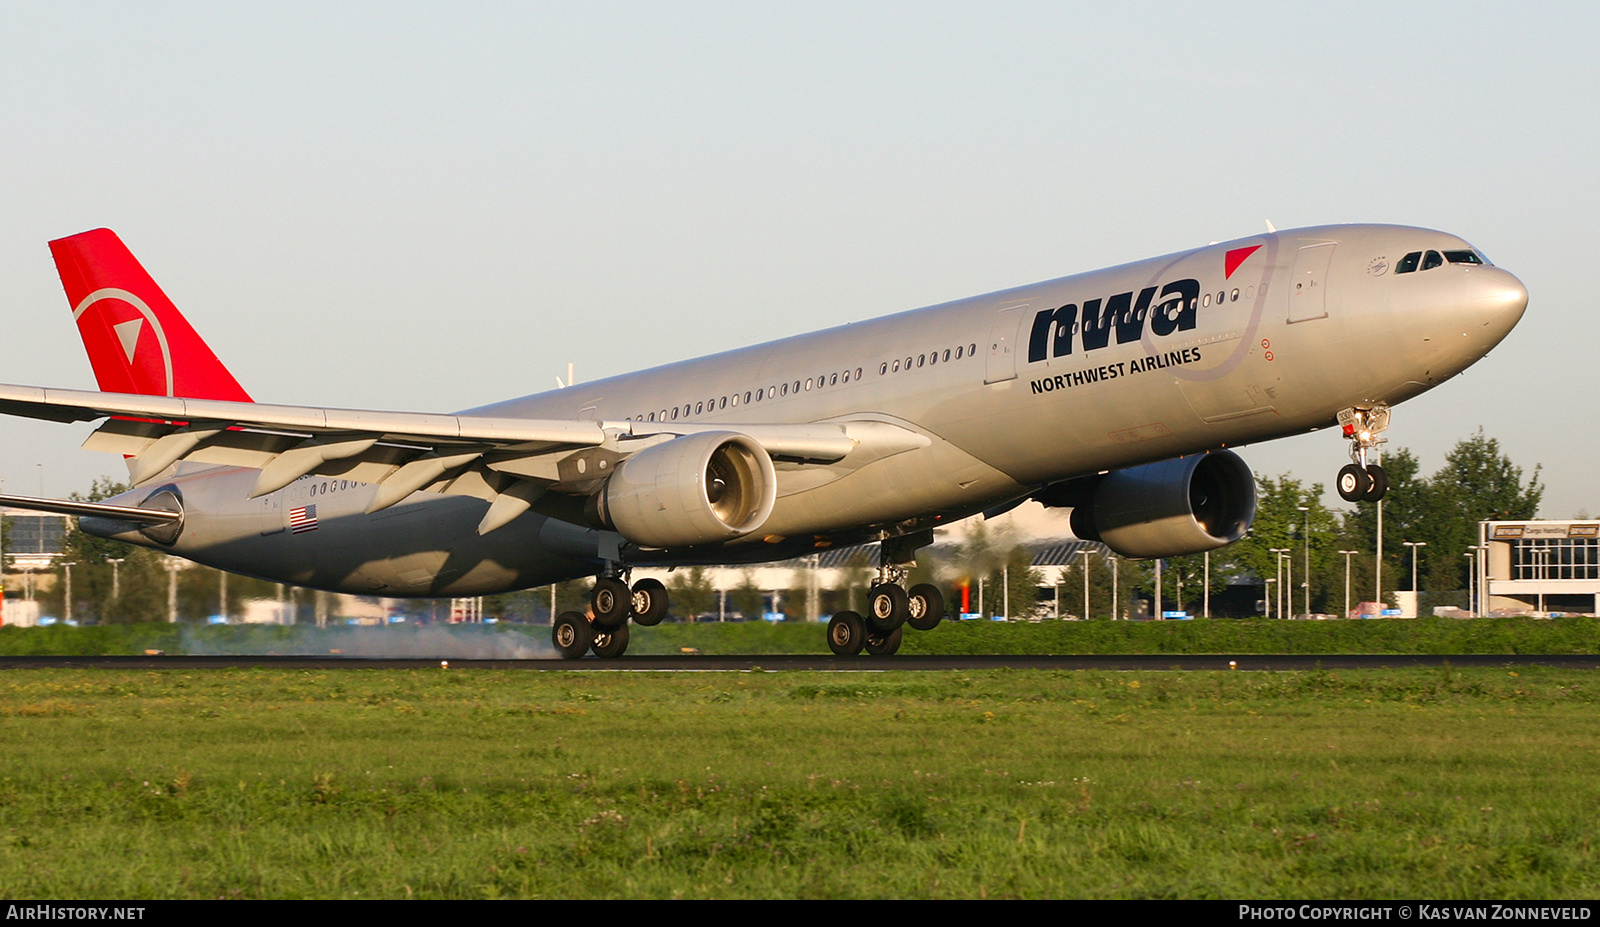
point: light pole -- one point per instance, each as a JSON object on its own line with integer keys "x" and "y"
{"x": 1115, "y": 606}
{"x": 116, "y": 577}
{"x": 1415, "y": 554}
{"x": 1472, "y": 573}
{"x": 66, "y": 601}
{"x": 1278, "y": 552}
{"x": 1305, "y": 577}
{"x": 1085, "y": 553}
{"x": 172, "y": 590}
{"x": 1347, "y": 554}
{"x": 1208, "y": 585}
{"x": 1271, "y": 584}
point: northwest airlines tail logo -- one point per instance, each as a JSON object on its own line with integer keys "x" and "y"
{"x": 1097, "y": 319}
{"x": 145, "y": 369}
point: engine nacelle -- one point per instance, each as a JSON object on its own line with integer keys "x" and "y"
{"x": 696, "y": 489}
{"x": 1171, "y": 508}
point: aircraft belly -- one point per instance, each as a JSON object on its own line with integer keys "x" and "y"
{"x": 425, "y": 546}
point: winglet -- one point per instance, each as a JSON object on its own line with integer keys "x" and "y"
{"x": 137, "y": 340}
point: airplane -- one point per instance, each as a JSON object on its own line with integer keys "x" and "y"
{"x": 1119, "y": 393}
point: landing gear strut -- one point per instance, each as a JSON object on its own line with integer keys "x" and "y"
{"x": 889, "y": 605}
{"x": 1363, "y": 481}
{"x": 612, "y": 604}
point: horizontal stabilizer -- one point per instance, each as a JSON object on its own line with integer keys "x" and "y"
{"x": 93, "y": 509}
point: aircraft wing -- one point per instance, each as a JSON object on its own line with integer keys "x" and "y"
{"x": 508, "y": 462}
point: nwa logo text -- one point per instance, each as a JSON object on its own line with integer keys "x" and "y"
{"x": 1053, "y": 328}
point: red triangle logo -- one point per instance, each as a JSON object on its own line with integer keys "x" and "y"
{"x": 1236, "y": 257}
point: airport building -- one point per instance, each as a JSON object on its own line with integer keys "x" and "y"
{"x": 1538, "y": 567}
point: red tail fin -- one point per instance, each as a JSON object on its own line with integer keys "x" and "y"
{"x": 138, "y": 341}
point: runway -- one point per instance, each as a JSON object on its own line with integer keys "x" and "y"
{"x": 818, "y": 663}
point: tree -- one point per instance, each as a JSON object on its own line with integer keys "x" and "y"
{"x": 138, "y": 578}
{"x": 746, "y": 598}
{"x": 690, "y": 592}
{"x": 1281, "y": 524}
{"x": 1478, "y": 482}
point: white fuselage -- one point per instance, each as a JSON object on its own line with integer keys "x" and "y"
{"x": 1220, "y": 346}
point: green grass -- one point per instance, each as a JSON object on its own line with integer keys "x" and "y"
{"x": 1423, "y": 636}
{"x": 481, "y": 784}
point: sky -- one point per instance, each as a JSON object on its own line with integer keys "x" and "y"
{"x": 430, "y": 206}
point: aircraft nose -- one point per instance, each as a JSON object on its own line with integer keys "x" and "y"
{"x": 1496, "y": 298}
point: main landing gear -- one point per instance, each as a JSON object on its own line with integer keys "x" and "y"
{"x": 1363, "y": 481}
{"x": 605, "y": 629}
{"x": 890, "y": 606}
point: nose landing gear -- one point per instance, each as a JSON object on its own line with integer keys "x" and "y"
{"x": 1363, "y": 481}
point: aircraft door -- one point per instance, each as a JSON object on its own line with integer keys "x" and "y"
{"x": 1308, "y": 286}
{"x": 1002, "y": 362}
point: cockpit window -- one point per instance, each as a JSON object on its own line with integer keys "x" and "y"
{"x": 1463, "y": 257}
{"x": 1431, "y": 260}
{"x": 1408, "y": 263}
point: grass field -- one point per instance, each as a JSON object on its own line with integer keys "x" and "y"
{"x": 1424, "y": 636}
{"x": 481, "y": 784}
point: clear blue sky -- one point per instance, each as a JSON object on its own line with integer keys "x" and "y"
{"x": 431, "y": 206}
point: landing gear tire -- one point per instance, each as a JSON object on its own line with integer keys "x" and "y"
{"x": 1380, "y": 484}
{"x": 887, "y": 608}
{"x": 884, "y": 645}
{"x": 612, "y": 602}
{"x": 925, "y": 608}
{"x": 608, "y": 645}
{"x": 572, "y": 635}
{"x": 1355, "y": 482}
{"x": 847, "y": 634}
{"x": 648, "y": 602}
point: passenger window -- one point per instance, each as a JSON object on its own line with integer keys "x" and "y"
{"x": 897, "y": 366}
{"x": 972, "y": 349}
{"x": 921, "y": 359}
{"x": 958, "y": 353}
{"x": 1431, "y": 260}
{"x": 699, "y": 407}
{"x": 834, "y": 380}
{"x": 858, "y": 373}
{"x": 1408, "y": 263}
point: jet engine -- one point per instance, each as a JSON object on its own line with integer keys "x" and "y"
{"x": 1167, "y": 509}
{"x": 696, "y": 489}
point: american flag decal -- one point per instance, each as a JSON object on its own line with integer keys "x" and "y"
{"x": 303, "y": 518}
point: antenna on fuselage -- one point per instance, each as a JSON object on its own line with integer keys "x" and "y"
{"x": 560, "y": 384}
{"x": 1270, "y": 227}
